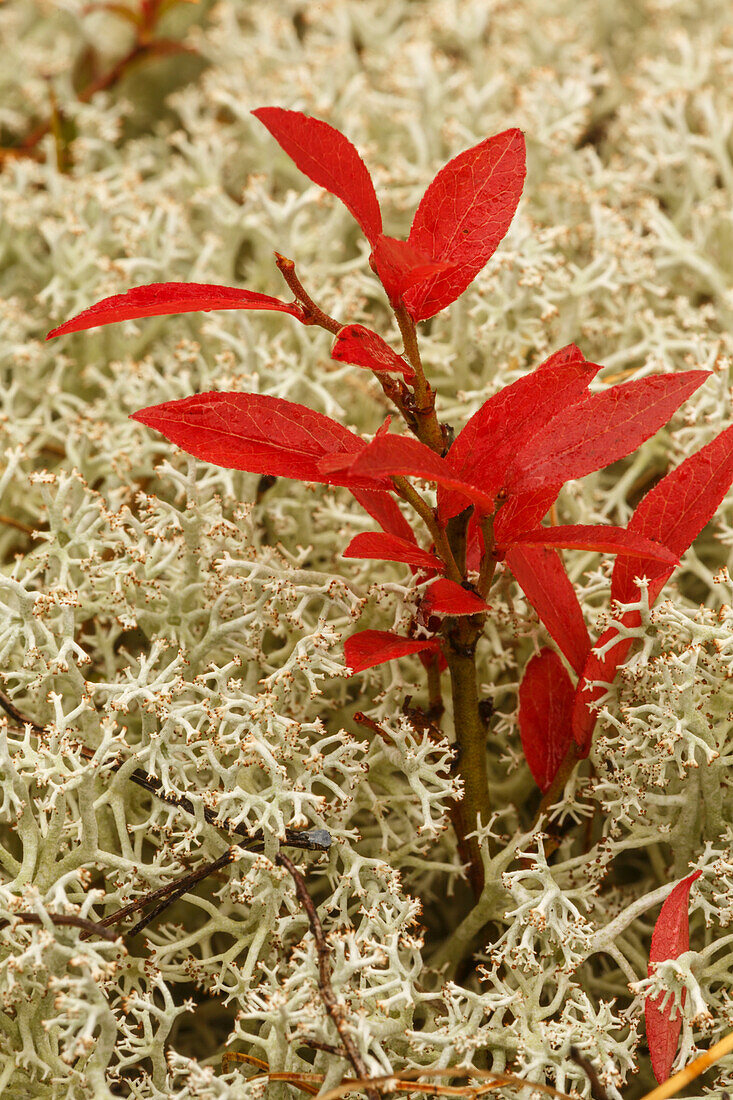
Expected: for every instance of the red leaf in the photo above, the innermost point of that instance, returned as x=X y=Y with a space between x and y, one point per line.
x=328 y=158
x=375 y=544
x=255 y=432
x=399 y=266
x=523 y=511
x=545 y=701
x=601 y=669
x=600 y=429
x=385 y=510
x=159 y=299
x=486 y=447
x=542 y=577
x=444 y=597
x=670 y=939
x=464 y=214
x=607 y=539
x=388 y=455
x=359 y=345
x=374 y=647
x=674 y=513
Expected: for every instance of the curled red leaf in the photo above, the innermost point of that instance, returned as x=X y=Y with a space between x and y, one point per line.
x=545 y=701
x=399 y=266
x=670 y=939
x=359 y=345
x=160 y=299
x=444 y=597
x=392 y=455
x=384 y=547
x=374 y=647
x=329 y=159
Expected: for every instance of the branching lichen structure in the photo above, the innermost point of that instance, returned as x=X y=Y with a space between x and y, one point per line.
x=164 y=617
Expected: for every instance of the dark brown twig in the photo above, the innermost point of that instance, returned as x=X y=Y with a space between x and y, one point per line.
x=90 y=927
x=329 y=1048
x=312 y=840
x=176 y=889
x=330 y=1003
x=597 y=1090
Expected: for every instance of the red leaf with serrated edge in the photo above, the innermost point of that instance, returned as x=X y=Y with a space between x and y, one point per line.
x=606 y=539
x=385 y=510
x=602 y=669
x=374 y=647
x=359 y=345
x=600 y=429
x=161 y=299
x=541 y=576
x=388 y=455
x=329 y=159
x=375 y=544
x=399 y=266
x=674 y=513
x=486 y=447
x=545 y=702
x=257 y=433
x=463 y=215
x=670 y=939
x=444 y=597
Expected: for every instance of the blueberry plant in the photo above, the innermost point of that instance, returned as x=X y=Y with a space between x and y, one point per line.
x=491 y=486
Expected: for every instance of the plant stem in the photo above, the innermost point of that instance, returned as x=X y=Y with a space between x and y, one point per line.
x=470 y=733
x=334 y=1009
x=423 y=509
x=429 y=430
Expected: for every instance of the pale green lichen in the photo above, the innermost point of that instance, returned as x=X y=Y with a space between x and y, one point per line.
x=164 y=620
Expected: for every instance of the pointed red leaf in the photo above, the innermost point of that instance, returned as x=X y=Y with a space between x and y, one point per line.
x=545 y=701
x=670 y=939
x=374 y=647
x=485 y=448
x=600 y=429
x=523 y=511
x=160 y=299
x=329 y=159
x=601 y=669
x=399 y=266
x=389 y=455
x=541 y=576
x=606 y=539
x=464 y=214
x=444 y=597
x=385 y=510
x=359 y=345
x=257 y=433
x=674 y=513
x=375 y=544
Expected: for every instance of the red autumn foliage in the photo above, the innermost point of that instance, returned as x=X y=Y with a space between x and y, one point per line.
x=374 y=647
x=505 y=468
x=159 y=299
x=670 y=939
x=359 y=345
x=545 y=700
